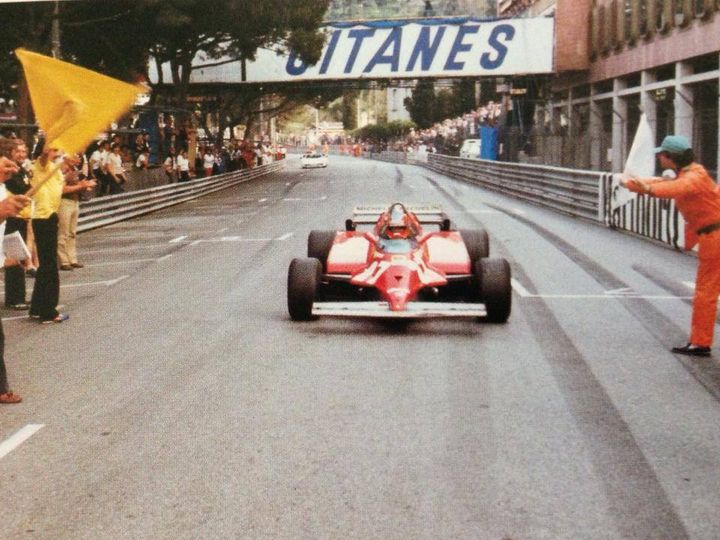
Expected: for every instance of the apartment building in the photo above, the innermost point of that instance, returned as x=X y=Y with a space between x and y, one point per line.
x=660 y=57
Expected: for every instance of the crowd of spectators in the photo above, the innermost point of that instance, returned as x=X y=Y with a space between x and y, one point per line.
x=446 y=137
x=55 y=184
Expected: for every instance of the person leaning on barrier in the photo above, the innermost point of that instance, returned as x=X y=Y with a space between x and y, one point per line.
x=697 y=198
x=116 y=172
x=169 y=165
x=10 y=206
x=183 y=167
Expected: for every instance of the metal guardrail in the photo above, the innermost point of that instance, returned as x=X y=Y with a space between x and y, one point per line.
x=649 y=217
x=388 y=155
x=571 y=191
x=114 y=208
x=579 y=193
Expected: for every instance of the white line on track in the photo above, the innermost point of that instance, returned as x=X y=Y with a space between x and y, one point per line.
x=165 y=257
x=18 y=438
x=518 y=287
x=109 y=283
x=178 y=239
x=689 y=284
x=263 y=199
x=615 y=294
x=323 y=198
x=284 y=236
x=230 y=239
x=123 y=248
x=518 y=211
x=127 y=261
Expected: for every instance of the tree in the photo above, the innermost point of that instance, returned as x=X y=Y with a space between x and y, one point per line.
x=349 y=105
x=422 y=104
x=119 y=38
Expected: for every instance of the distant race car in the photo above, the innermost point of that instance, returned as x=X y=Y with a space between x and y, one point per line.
x=313 y=159
x=399 y=270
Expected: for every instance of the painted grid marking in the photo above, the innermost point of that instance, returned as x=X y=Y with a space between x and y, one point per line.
x=18 y=438
x=613 y=294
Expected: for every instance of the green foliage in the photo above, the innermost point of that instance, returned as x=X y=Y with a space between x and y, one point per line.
x=396 y=129
x=422 y=106
x=349 y=110
x=426 y=106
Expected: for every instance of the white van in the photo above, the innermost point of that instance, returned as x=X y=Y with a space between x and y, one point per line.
x=470 y=149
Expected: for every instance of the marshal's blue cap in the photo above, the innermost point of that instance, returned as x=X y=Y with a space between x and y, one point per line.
x=674 y=144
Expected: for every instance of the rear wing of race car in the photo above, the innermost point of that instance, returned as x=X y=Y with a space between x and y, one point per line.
x=427 y=214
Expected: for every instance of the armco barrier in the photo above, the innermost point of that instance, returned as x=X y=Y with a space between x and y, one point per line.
x=584 y=194
x=657 y=219
x=571 y=191
x=114 y=208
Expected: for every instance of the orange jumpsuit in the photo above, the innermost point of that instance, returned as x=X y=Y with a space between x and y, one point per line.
x=697 y=197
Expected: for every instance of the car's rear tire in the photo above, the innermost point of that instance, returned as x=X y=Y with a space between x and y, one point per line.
x=303 y=282
x=493 y=282
x=477 y=243
x=319 y=244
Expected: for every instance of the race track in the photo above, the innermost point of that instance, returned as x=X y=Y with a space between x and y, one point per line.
x=179 y=401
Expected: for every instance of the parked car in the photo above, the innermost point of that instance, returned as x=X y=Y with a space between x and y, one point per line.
x=470 y=149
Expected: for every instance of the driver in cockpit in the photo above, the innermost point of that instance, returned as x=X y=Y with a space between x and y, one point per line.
x=397 y=224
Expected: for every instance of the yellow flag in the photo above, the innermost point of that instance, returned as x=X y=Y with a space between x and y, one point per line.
x=73 y=104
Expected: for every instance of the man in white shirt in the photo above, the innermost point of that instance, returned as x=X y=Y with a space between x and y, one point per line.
x=183 y=167
x=142 y=160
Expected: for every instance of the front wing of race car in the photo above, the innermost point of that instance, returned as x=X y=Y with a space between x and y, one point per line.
x=414 y=310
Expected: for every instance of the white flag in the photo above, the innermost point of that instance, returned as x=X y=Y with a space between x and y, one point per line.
x=640 y=163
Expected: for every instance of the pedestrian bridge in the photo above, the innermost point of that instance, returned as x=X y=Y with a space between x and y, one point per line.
x=395 y=49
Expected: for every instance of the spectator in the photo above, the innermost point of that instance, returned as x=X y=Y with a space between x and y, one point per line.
x=48 y=181
x=75 y=183
x=170 y=165
x=208 y=161
x=146 y=141
x=183 y=167
x=142 y=160
x=10 y=206
x=115 y=171
x=199 y=159
x=17 y=184
x=138 y=147
x=99 y=167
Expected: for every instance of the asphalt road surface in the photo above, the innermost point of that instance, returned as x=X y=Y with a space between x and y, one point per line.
x=179 y=401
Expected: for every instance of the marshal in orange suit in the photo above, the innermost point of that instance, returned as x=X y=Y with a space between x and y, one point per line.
x=697 y=197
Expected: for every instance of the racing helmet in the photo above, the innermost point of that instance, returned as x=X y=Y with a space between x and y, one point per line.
x=398 y=223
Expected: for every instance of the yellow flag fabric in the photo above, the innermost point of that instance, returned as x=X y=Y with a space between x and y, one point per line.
x=73 y=104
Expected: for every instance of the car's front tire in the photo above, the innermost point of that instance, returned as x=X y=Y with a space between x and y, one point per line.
x=494 y=286
x=302 y=287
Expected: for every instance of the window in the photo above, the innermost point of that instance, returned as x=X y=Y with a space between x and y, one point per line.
x=683 y=12
x=664 y=15
x=704 y=8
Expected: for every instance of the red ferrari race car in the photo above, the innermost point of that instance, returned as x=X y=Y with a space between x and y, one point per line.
x=398 y=269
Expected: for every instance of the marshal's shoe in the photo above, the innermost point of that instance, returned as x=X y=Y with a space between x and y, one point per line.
x=692 y=350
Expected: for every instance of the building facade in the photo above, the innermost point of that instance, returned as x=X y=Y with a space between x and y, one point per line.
x=344 y=10
x=658 y=57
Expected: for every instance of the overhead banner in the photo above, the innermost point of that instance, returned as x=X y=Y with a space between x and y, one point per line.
x=393 y=49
